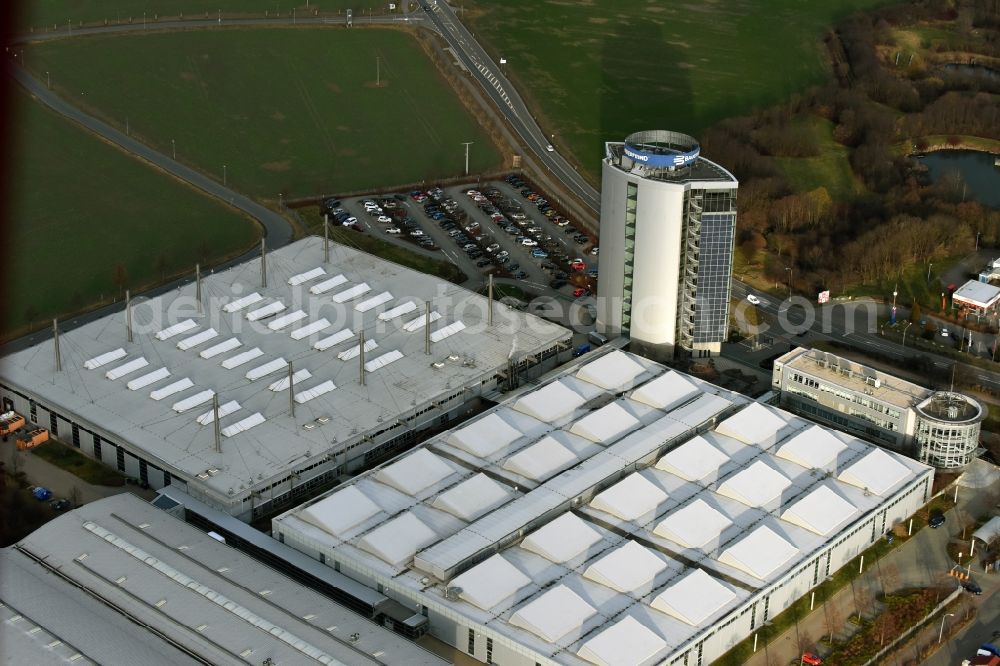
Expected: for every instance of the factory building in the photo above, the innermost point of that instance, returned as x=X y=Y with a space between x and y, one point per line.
x=259 y=386
x=618 y=512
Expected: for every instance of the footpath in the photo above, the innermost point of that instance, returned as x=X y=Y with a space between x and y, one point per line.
x=920 y=562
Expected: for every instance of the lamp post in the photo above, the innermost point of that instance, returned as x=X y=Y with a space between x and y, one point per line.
x=941 y=631
x=908 y=325
x=895 y=292
x=173 y=148
x=929 y=266
x=977 y=240
x=223 y=175
x=789 y=272
x=467 y=144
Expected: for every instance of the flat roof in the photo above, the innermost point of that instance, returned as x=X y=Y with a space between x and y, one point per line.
x=980 y=294
x=221 y=351
x=855 y=377
x=606 y=532
x=132 y=579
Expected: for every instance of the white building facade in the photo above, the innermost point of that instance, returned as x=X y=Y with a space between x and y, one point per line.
x=618 y=513
x=668 y=218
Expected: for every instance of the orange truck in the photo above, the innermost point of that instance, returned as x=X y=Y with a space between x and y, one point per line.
x=9 y=422
x=32 y=438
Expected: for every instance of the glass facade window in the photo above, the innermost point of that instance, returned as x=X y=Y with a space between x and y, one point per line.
x=715 y=264
x=631 y=206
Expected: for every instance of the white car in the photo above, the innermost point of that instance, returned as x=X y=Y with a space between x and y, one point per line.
x=595 y=251
x=416 y=232
x=393 y=230
x=944 y=332
x=493 y=248
x=753 y=300
x=529 y=242
x=550 y=148
x=384 y=219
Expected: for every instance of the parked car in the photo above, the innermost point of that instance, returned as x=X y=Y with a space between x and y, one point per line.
x=483 y=262
x=580 y=292
x=529 y=242
x=539 y=253
x=753 y=300
x=936 y=518
x=520 y=275
x=944 y=332
x=393 y=230
x=550 y=148
x=592 y=272
x=357 y=227
x=580 y=350
x=595 y=251
x=972 y=587
x=578 y=266
x=503 y=254
x=61 y=505
x=417 y=232
x=811 y=658
x=556 y=284
x=41 y=493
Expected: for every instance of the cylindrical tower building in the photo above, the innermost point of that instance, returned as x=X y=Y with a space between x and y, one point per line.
x=668 y=218
x=947 y=429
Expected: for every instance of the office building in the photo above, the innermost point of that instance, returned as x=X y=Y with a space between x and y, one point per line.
x=616 y=513
x=939 y=428
x=668 y=218
x=300 y=401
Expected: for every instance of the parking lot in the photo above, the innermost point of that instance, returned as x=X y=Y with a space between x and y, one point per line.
x=504 y=228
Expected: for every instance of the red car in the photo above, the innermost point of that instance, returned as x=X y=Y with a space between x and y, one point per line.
x=811 y=658
x=578 y=266
x=580 y=291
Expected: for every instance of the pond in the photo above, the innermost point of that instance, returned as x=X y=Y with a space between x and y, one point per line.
x=973 y=70
x=976 y=169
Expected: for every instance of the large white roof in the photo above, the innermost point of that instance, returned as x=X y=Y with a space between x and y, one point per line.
x=541 y=459
x=488 y=583
x=415 y=472
x=340 y=511
x=694 y=598
x=814 y=447
x=396 y=541
x=612 y=371
x=626 y=568
x=606 y=424
x=877 y=472
x=627 y=642
x=756 y=424
x=760 y=553
x=757 y=485
x=821 y=511
x=666 y=391
x=693 y=460
x=485 y=436
x=694 y=525
x=630 y=498
x=473 y=497
x=554 y=614
x=549 y=403
x=563 y=539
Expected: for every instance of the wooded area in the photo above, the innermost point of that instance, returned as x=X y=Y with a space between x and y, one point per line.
x=889 y=88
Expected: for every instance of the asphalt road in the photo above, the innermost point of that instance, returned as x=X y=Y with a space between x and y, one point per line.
x=490 y=76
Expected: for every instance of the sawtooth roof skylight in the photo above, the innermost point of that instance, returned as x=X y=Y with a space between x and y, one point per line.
x=485 y=436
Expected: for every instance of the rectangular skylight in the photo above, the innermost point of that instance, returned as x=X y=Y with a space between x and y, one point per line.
x=170 y=389
x=263 y=370
x=221 y=348
x=126 y=368
x=353 y=292
x=241 y=358
x=224 y=410
x=314 y=392
x=335 y=339
x=309 y=329
x=241 y=303
x=104 y=359
x=305 y=277
x=297 y=376
x=327 y=285
x=373 y=302
x=199 y=398
x=420 y=322
x=176 y=329
x=266 y=311
x=383 y=360
x=197 y=339
x=398 y=311
x=354 y=351
x=447 y=331
x=287 y=320
x=148 y=378
x=243 y=425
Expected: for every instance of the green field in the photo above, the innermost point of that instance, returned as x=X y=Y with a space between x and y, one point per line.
x=830 y=169
x=294 y=111
x=49 y=14
x=601 y=69
x=80 y=209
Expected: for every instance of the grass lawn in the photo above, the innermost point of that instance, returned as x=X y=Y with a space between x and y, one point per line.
x=44 y=14
x=600 y=70
x=830 y=169
x=80 y=209
x=380 y=248
x=287 y=110
x=76 y=463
